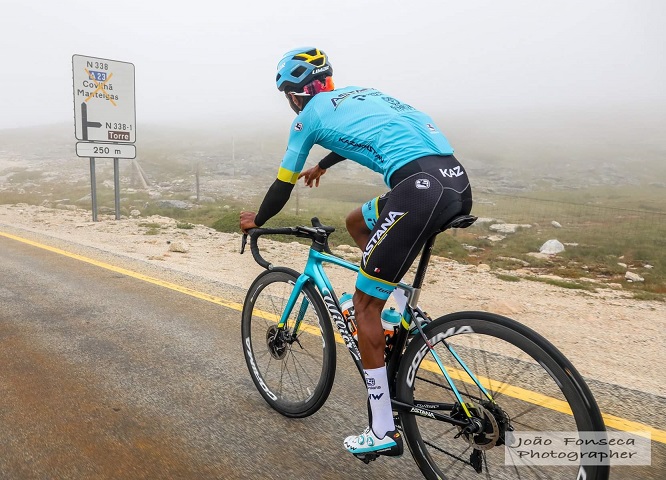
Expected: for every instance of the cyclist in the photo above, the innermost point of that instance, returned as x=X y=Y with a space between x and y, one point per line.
x=428 y=187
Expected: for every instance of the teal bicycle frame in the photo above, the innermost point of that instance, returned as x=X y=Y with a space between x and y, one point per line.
x=314 y=273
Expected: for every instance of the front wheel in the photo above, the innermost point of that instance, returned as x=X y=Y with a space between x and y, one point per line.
x=292 y=367
x=533 y=387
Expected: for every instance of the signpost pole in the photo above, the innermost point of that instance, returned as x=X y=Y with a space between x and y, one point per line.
x=93 y=189
x=116 y=186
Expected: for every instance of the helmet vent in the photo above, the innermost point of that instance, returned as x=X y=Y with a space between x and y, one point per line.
x=298 y=71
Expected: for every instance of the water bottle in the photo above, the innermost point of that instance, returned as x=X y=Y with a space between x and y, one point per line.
x=390 y=321
x=347 y=307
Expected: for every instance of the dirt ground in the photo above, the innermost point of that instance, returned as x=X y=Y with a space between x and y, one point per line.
x=606 y=334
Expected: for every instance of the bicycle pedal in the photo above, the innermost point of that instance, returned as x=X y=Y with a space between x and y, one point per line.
x=366 y=457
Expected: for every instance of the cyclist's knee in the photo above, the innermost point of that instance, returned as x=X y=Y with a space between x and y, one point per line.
x=357 y=228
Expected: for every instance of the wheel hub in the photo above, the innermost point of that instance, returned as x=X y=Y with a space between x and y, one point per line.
x=487 y=432
x=276 y=343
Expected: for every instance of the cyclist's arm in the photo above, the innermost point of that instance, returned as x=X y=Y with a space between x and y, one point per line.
x=329 y=160
x=276 y=198
x=301 y=140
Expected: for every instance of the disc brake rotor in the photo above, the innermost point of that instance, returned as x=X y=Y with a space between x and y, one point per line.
x=277 y=346
x=488 y=436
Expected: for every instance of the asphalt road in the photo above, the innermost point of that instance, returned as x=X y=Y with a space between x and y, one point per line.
x=103 y=375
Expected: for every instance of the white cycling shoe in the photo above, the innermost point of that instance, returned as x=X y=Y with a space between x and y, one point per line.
x=367 y=446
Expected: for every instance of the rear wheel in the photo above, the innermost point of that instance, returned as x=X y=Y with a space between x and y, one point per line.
x=533 y=386
x=293 y=370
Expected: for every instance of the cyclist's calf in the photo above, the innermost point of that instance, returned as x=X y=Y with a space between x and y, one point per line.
x=371 y=340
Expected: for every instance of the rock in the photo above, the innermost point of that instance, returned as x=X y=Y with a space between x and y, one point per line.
x=648 y=266
x=633 y=277
x=482 y=267
x=623 y=265
x=507 y=227
x=496 y=238
x=178 y=246
x=552 y=247
x=135 y=213
x=556 y=224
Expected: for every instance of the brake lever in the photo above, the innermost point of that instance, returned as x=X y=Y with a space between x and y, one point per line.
x=243 y=243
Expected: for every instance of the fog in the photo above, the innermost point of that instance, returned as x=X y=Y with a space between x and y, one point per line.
x=213 y=63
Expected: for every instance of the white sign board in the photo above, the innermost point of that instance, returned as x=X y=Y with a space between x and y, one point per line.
x=104 y=108
x=105 y=150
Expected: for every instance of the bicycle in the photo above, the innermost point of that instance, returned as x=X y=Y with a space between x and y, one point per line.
x=460 y=384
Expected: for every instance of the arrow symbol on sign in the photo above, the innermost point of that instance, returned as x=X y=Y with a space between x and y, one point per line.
x=85 y=123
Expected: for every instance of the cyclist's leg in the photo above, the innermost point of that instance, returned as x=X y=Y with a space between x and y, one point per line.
x=361 y=220
x=386 y=257
x=399 y=222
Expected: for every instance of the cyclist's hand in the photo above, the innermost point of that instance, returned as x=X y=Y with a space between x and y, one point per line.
x=247 y=221
x=311 y=175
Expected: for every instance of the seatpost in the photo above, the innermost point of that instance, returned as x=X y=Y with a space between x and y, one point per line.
x=423 y=262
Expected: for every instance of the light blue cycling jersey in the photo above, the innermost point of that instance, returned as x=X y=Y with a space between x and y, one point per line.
x=363 y=125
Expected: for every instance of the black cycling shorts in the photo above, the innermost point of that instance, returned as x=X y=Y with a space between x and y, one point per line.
x=425 y=194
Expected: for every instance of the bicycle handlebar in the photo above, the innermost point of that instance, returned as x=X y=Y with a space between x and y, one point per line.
x=318 y=233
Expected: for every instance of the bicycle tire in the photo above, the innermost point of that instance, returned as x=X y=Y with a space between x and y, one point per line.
x=295 y=378
x=513 y=360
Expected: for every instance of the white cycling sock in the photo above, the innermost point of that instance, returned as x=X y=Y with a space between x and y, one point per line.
x=380 y=401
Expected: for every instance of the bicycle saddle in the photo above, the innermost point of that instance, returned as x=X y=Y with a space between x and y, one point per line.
x=459 y=221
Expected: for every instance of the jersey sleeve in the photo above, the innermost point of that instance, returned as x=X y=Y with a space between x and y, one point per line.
x=301 y=139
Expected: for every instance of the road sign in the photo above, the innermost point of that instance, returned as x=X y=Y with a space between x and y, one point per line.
x=104 y=109
x=105 y=150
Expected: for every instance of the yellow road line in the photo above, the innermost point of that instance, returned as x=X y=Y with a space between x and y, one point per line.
x=130 y=273
x=535 y=398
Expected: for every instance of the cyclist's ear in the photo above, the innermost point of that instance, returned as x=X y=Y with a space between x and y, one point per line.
x=295 y=102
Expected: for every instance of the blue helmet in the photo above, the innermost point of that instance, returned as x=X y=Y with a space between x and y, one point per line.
x=301 y=66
